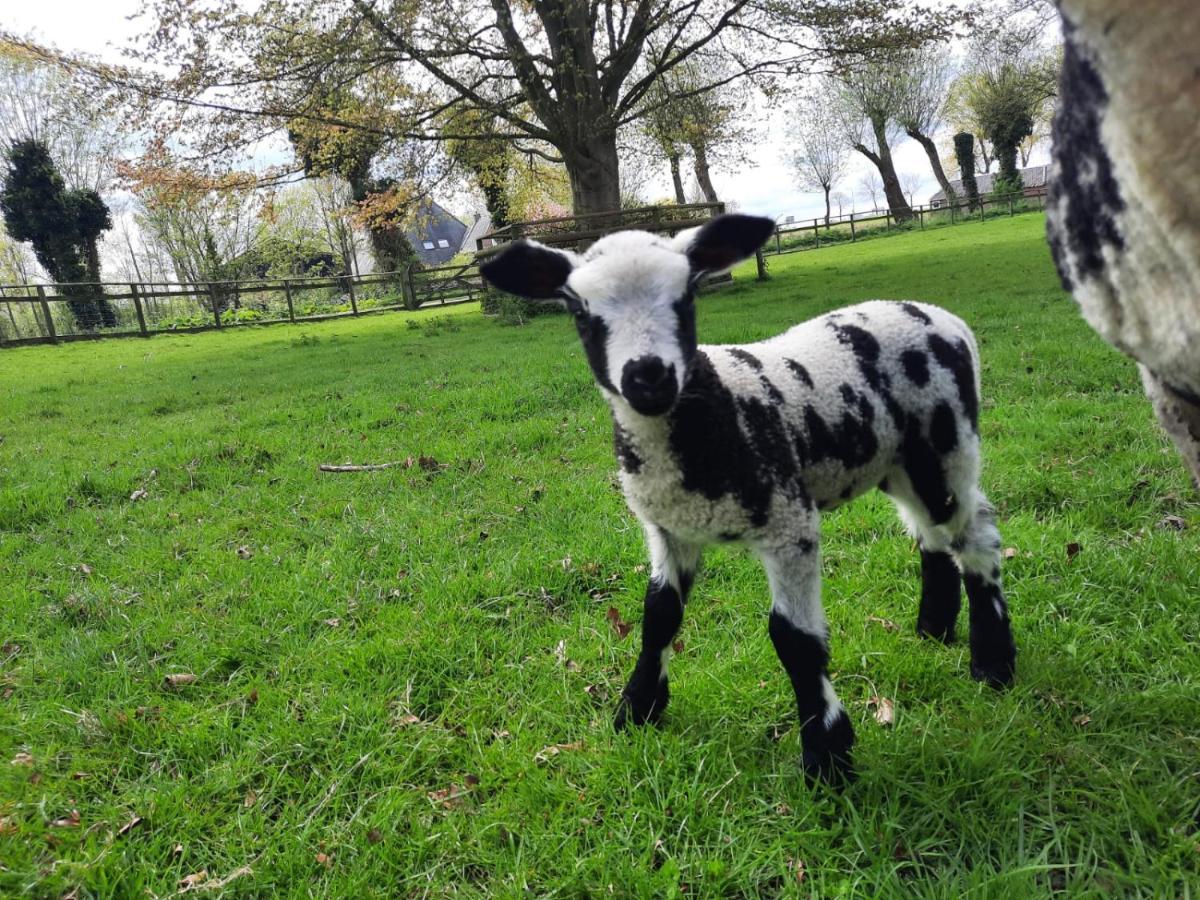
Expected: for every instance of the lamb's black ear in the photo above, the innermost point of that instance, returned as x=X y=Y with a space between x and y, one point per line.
x=529 y=269
x=724 y=241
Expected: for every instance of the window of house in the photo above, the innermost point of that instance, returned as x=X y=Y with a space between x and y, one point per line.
x=443 y=243
x=428 y=245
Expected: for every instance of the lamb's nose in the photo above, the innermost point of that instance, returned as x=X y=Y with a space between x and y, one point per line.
x=649 y=385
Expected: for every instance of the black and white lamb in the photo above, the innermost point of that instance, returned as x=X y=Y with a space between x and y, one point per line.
x=1124 y=209
x=750 y=443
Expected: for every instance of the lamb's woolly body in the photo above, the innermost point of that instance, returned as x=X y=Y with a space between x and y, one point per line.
x=752 y=442
x=1121 y=215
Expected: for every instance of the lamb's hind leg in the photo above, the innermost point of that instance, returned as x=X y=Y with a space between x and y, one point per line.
x=673 y=568
x=977 y=551
x=800 y=635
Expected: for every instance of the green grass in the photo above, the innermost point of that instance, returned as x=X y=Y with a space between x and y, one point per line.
x=362 y=641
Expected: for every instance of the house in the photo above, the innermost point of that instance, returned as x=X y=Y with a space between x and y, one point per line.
x=1036 y=179
x=481 y=226
x=436 y=235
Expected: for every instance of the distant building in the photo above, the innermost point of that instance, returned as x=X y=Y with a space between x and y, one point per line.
x=477 y=229
x=1036 y=179
x=436 y=235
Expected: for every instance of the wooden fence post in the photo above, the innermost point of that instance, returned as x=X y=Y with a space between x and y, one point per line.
x=921 y=217
x=350 y=290
x=137 y=307
x=46 y=312
x=853 y=236
x=1010 y=205
x=982 y=203
x=778 y=248
x=761 y=261
x=287 y=292
x=212 y=299
x=952 y=207
x=816 y=234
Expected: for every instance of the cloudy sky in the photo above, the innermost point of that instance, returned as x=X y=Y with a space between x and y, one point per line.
x=763 y=184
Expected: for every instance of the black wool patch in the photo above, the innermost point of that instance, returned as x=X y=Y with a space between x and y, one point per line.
x=593 y=332
x=800 y=372
x=943 y=428
x=917 y=313
x=627 y=456
x=956 y=359
x=923 y=465
x=1086 y=188
x=746 y=357
x=685 y=326
x=916 y=366
x=767 y=435
x=714 y=455
x=772 y=392
x=850 y=441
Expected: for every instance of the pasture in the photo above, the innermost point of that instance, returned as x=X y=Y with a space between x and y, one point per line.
x=404 y=679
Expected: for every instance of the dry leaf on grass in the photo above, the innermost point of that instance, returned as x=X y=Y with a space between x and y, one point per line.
x=333 y=623
x=453 y=796
x=70 y=820
x=22 y=759
x=244 y=552
x=137 y=495
x=85 y=569
x=1175 y=522
x=374 y=836
x=885 y=624
x=799 y=868
x=189 y=882
x=884 y=709
x=179 y=679
x=7 y=825
x=1082 y=719
x=408 y=719
x=620 y=627
x=323 y=859
x=250 y=799
x=548 y=753
x=1010 y=552
x=129 y=826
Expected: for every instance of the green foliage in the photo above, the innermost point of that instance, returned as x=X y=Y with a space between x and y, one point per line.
x=63 y=227
x=363 y=642
x=1004 y=186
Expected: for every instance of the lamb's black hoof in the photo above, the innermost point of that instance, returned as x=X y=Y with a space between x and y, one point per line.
x=998 y=674
x=642 y=707
x=936 y=631
x=834 y=770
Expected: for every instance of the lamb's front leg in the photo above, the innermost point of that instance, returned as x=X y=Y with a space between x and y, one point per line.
x=800 y=635
x=673 y=568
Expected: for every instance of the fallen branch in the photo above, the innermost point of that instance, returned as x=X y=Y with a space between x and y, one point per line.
x=326 y=467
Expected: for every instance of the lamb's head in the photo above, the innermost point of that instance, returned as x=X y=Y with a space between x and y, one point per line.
x=632 y=296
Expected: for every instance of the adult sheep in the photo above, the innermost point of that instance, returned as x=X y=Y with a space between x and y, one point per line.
x=1123 y=215
x=750 y=443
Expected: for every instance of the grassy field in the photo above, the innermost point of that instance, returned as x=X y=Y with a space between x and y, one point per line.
x=403 y=680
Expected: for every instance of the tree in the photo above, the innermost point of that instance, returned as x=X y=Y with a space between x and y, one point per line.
x=820 y=155
x=870 y=96
x=910 y=182
x=926 y=83
x=663 y=127
x=62 y=226
x=871 y=185
x=964 y=152
x=568 y=74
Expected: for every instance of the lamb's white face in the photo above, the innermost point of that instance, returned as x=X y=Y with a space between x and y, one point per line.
x=632 y=298
x=631 y=295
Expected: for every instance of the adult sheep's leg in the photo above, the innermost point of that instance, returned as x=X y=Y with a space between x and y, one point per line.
x=673 y=568
x=801 y=638
x=1179 y=414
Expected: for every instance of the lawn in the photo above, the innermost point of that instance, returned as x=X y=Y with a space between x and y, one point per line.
x=400 y=682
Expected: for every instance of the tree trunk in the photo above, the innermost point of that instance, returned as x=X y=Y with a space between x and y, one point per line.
x=108 y=317
x=827 y=187
x=702 y=176
x=595 y=174
x=964 y=152
x=934 y=162
x=901 y=211
x=673 y=159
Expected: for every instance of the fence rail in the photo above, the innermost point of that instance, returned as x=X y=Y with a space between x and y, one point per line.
x=809 y=234
x=52 y=313
x=585 y=228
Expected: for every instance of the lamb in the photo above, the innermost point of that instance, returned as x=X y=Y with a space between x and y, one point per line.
x=751 y=443
x=1121 y=215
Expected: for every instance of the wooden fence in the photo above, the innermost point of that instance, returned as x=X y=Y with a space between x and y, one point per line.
x=40 y=313
x=810 y=234
x=577 y=231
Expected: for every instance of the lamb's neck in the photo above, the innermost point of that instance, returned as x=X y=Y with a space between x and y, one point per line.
x=648 y=436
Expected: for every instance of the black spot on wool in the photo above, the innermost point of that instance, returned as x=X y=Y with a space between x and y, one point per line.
x=685 y=326
x=850 y=441
x=771 y=391
x=917 y=313
x=923 y=465
x=1085 y=189
x=627 y=457
x=593 y=333
x=800 y=372
x=943 y=428
x=956 y=359
x=715 y=456
x=916 y=367
x=746 y=357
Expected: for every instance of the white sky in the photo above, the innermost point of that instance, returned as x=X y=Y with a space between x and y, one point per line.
x=762 y=185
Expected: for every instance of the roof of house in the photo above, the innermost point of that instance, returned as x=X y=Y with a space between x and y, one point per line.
x=477 y=229
x=1033 y=176
x=436 y=235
